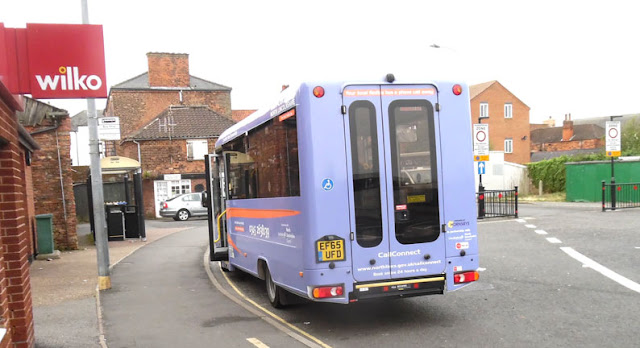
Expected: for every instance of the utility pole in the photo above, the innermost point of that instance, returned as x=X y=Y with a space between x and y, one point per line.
x=613 y=177
x=102 y=245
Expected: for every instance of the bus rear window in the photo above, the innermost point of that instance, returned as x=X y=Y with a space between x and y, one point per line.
x=366 y=173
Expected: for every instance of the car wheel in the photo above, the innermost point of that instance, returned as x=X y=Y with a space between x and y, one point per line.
x=183 y=215
x=274 y=292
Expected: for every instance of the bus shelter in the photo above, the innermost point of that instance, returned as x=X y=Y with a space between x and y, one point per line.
x=124 y=215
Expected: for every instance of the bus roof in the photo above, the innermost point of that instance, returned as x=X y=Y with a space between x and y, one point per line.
x=286 y=101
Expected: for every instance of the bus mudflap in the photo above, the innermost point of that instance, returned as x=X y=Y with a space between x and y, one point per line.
x=399 y=287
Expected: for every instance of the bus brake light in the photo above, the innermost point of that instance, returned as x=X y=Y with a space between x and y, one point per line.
x=465 y=277
x=457 y=89
x=328 y=291
x=318 y=92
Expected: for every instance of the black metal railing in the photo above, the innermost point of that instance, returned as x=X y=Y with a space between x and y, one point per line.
x=620 y=195
x=497 y=203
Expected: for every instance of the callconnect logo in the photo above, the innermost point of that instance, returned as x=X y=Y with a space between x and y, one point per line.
x=69 y=79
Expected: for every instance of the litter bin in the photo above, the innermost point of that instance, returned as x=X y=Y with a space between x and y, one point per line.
x=131 y=222
x=115 y=222
x=44 y=228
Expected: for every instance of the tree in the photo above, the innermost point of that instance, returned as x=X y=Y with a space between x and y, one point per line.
x=631 y=138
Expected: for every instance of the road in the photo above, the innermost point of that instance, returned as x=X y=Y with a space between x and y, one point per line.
x=533 y=293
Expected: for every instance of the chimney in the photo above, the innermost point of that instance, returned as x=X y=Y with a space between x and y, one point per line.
x=168 y=69
x=567 y=128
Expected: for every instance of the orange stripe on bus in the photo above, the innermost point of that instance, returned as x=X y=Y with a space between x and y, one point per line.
x=235 y=246
x=260 y=213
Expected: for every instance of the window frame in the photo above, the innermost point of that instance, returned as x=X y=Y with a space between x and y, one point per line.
x=484 y=106
x=508 y=110
x=191 y=153
x=510 y=142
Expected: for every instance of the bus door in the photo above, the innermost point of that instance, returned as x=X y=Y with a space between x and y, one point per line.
x=215 y=168
x=394 y=196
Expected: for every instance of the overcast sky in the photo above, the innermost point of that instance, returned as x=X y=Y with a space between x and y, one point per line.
x=558 y=57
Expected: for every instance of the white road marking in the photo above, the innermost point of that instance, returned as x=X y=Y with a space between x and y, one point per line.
x=587 y=262
x=530 y=226
x=480 y=269
x=521 y=220
x=554 y=240
x=541 y=232
x=637 y=247
x=529 y=218
x=256 y=342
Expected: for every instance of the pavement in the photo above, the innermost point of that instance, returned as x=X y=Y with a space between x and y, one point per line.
x=64 y=290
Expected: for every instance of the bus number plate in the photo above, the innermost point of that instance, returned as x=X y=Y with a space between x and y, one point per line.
x=330 y=250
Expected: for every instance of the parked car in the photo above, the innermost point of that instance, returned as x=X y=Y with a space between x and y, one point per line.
x=184 y=206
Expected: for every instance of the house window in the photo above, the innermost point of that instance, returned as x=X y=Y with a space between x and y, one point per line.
x=508 y=110
x=484 y=110
x=196 y=149
x=508 y=145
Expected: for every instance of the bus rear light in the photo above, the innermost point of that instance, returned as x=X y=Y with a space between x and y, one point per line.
x=465 y=277
x=165 y=205
x=457 y=89
x=318 y=92
x=328 y=291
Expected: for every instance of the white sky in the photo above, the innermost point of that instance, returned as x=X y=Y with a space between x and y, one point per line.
x=578 y=57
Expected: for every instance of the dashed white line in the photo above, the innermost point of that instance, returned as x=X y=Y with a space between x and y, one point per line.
x=554 y=240
x=587 y=262
x=521 y=220
x=530 y=226
x=541 y=232
x=256 y=342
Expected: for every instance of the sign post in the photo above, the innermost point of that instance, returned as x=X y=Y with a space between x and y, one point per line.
x=613 y=149
x=480 y=155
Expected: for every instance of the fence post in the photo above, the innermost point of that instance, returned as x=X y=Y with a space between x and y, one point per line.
x=516 y=196
x=481 y=202
x=613 y=193
x=603 y=195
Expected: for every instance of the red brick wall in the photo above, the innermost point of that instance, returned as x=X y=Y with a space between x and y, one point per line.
x=46 y=181
x=500 y=127
x=137 y=108
x=15 y=289
x=168 y=69
x=569 y=145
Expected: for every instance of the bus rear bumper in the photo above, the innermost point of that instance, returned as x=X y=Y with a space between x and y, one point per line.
x=407 y=287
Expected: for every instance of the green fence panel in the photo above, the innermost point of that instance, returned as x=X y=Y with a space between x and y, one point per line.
x=584 y=179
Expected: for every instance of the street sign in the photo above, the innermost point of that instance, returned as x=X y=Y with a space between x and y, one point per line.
x=109 y=128
x=480 y=142
x=613 y=147
x=481 y=168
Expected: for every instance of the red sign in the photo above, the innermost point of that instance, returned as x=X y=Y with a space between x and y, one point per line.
x=52 y=61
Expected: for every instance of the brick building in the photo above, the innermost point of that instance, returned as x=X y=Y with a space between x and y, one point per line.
x=168 y=120
x=570 y=139
x=16 y=225
x=171 y=149
x=508 y=119
x=52 y=175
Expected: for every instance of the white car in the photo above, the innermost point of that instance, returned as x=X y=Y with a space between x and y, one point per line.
x=184 y=206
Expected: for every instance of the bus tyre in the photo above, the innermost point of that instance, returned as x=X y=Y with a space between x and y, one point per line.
x=183 y=215
x=274 y=292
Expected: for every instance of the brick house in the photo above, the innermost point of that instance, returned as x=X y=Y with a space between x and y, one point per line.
x=570 y=139
x=168 y=118
x=16 y=225
x=51 y=168
x=171 y=149
x=508 y=119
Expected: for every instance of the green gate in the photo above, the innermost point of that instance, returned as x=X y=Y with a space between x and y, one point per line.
x=584 y=179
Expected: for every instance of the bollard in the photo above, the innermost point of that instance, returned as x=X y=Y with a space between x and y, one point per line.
x=540 y=188
x=516 y=201
x=603 y=195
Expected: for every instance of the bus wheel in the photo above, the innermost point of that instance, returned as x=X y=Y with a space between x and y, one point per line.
x=274 y=292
